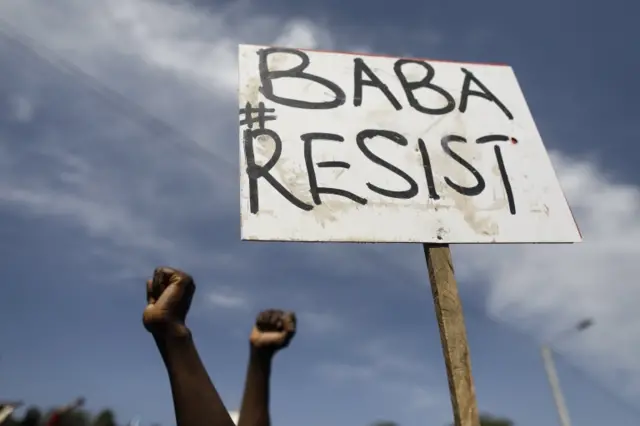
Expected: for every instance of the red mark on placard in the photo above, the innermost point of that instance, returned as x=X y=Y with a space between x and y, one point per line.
x=514 y=140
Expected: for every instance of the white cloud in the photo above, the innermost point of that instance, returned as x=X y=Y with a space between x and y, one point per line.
x=320 y=322
x=346 y=372
x=384 y=355
x=545 y=290
x=22 y=108
x=179 y=64
x=149 y=60
x=382 y=366
x=412 y=394
x=303 y=34
x=548 y=289
x=224 y=299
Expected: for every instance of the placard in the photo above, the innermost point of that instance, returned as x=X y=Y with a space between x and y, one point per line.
x=358 y=148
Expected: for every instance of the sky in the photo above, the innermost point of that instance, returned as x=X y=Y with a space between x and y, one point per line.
x=119 y=153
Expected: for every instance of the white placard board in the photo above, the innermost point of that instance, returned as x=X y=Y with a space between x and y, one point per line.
x=358 y=148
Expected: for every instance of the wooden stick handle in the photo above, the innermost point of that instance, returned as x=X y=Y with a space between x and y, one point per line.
x=452 y=334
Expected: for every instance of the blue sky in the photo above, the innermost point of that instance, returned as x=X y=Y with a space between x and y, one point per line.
x=118 y=152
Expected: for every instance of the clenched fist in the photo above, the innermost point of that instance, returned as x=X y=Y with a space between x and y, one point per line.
x=169 y=296
x=273 y=331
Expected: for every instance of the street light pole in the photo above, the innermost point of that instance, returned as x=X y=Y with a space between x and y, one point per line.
x=552 y=374
x=554 y=382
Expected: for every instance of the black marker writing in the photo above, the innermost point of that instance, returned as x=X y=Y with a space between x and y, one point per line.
x=400 y=140
x=338 y=164
x=428 y=171
x=485 y=93
x=470 y=191
x=443 y=101
x=492 y=138
x=359 y=68
x=267 y=76
x=426 y=83
x=255 y=171
x=501 y=166
x=362 y=70
x=247 y=118
x=505 y=179
x=316 y=190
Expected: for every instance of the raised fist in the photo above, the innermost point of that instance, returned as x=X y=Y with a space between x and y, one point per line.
x=169 y=296
x=273 y=330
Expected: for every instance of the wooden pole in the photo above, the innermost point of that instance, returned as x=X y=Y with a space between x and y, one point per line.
x=452 y=334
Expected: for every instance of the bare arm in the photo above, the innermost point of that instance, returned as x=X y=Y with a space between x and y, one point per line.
x=195 y=398
x=254 y=410
x=273 y=331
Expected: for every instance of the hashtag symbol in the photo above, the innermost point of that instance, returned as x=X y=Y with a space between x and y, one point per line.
x=248 y=115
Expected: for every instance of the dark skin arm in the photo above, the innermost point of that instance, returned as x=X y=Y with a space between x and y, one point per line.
x=273 y=331
x=196 y=400
x=255 y=401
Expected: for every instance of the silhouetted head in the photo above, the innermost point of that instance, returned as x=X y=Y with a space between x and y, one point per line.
x=31 y=418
